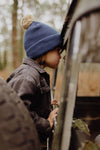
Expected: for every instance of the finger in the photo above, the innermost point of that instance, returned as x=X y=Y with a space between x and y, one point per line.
x=54 y=101
x=55 y=115
x=55 y=110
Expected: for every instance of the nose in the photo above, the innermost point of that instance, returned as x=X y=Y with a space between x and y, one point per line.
x=59 y=55
x=64 y=58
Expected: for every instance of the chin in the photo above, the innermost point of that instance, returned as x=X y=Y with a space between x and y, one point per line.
x=54 y=67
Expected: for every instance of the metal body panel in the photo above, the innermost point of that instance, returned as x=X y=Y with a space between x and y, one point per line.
x=77 y=37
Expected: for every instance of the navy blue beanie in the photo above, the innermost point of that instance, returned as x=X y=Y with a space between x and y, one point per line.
x=39 y=39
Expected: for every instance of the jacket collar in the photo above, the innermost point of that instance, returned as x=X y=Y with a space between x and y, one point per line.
x=33 y=64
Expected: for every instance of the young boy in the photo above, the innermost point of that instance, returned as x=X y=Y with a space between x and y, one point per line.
x=30 y=81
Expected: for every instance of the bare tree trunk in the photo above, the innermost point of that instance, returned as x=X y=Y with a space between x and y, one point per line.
x=5 y=59
x=21 y=49
x=21 y=33
x=0 y=62
x=14 y=34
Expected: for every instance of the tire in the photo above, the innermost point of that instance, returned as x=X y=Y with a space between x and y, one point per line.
x=17 y=130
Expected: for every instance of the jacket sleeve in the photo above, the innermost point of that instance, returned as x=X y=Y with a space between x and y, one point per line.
x=26 y=90
x=42 y=125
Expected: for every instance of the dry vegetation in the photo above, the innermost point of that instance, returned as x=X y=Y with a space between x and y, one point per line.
x=88 y=83
x=4 y=74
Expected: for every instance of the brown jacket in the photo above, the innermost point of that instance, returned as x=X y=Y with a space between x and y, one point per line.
x=31 y=83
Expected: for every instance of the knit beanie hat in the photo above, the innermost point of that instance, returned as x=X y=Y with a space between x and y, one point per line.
x=39 y=38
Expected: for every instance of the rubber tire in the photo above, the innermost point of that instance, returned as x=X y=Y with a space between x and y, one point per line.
x=17 y=130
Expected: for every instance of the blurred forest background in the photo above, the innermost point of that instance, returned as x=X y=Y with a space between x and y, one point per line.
x=52 y=12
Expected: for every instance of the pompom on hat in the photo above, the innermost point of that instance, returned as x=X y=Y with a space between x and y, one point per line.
x=39 y=38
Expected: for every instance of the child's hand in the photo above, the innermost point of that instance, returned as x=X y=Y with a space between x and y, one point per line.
x=54 y=102
x=52 y=115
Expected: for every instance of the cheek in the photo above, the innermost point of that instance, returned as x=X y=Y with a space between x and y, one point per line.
x=54 y=59
x=53 y=62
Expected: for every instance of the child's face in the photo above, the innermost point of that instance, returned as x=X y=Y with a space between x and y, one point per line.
x=52 y=58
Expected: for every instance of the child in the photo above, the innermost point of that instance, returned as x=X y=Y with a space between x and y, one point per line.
x=30 y=81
